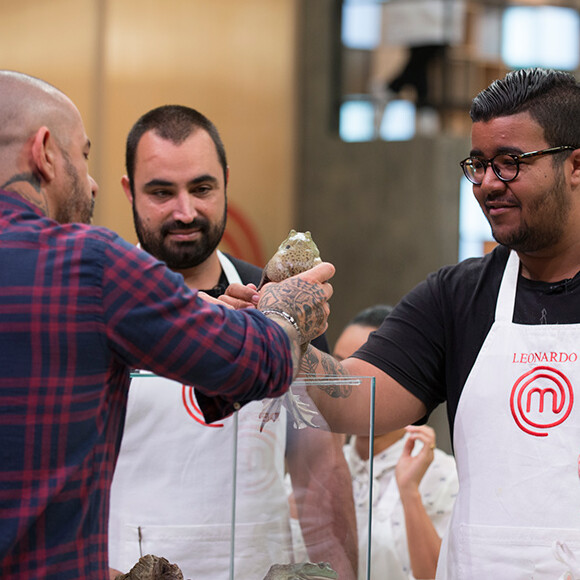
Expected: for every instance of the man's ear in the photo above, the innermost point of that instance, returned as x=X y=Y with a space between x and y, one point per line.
x=227 y=175
x=44 y=151
x=127 y=188
x=575 y=158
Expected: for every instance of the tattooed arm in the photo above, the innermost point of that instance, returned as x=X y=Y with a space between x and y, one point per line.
x=300 y=305
x=346 y=407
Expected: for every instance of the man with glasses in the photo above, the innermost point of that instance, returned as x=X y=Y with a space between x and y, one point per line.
x=498 y=338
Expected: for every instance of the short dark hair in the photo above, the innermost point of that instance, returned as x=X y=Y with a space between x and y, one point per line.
x=174 y=123
x=551 y=97
x=372 y=316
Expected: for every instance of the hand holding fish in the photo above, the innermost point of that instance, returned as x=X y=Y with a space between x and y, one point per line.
x=302 y=290
x=294 y=268
x=303 y=298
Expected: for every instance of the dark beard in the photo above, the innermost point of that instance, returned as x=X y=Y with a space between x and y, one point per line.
x=80 y=206
x=556 y=209
x=182 y=255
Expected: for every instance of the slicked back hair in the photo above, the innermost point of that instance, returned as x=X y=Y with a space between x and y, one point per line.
x=551 y=97
x=174 y=123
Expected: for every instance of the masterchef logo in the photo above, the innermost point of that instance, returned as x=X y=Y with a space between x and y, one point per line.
x=192 y=408
x=541 y=399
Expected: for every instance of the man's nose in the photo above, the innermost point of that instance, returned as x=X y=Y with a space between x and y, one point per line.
x=184 y=210
x=94 y=186
x=491 y=181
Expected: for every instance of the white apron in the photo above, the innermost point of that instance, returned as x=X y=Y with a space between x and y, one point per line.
x=517 y=445
x=181 y=508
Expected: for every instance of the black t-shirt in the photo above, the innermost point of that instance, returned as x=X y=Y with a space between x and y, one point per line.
x=431 y=340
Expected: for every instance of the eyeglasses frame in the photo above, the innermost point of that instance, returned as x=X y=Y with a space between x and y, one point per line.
x=516 y=158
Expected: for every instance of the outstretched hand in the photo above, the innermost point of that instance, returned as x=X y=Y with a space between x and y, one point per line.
x=211 y=300
x=240 y=296
x=304 y=297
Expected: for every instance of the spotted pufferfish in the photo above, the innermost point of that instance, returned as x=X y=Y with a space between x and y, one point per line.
x=296 y=254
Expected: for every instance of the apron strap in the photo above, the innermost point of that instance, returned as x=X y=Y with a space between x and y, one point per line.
x=229 y=269
x=506 y=298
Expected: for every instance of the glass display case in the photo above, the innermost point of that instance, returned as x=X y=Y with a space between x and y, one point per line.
x=268 y=488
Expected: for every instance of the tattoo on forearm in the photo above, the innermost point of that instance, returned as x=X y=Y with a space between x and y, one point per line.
x=301 y=300
x=320 y=364
x=310 y=362
x=337 y=391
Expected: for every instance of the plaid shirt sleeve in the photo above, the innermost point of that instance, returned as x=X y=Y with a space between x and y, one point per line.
x=155 y=322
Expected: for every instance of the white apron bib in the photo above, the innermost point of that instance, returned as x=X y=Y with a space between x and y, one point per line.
x=517 y=445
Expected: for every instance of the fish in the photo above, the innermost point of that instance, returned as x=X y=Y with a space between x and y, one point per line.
x=302 y=571
x=152 y=567
x=296 y=254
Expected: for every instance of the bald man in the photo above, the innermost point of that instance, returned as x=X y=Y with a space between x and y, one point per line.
x=79 y=308
x=41 y=123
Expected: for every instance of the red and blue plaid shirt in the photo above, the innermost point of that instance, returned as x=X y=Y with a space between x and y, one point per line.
x=79 y=307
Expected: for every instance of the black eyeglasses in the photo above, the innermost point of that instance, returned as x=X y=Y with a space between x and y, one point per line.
x=505 y=165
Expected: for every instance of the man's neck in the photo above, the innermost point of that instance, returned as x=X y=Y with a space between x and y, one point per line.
x=553 y=266
x=204 y=276
x=561 y=260
x=27 y=186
